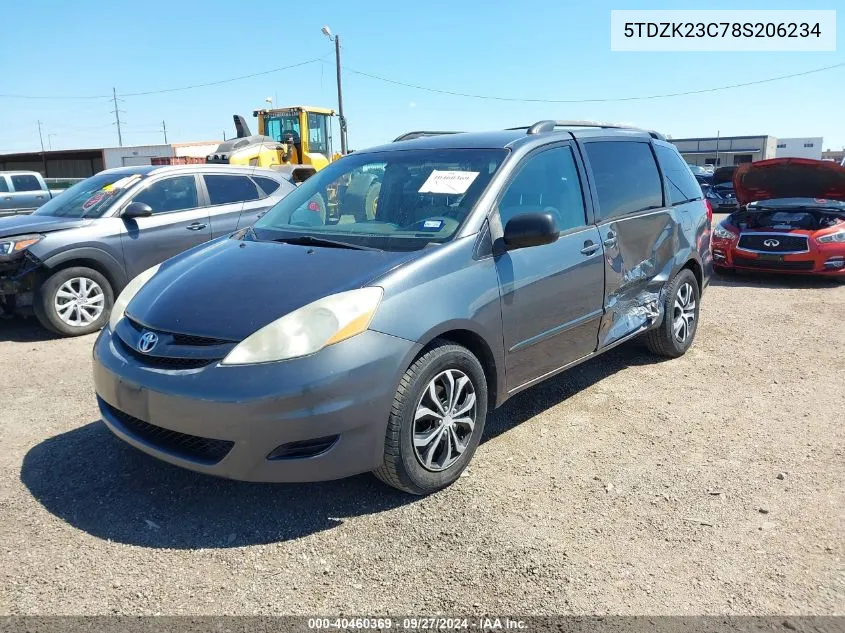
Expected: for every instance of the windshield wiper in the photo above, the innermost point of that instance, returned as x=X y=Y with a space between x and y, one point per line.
x=310 y=240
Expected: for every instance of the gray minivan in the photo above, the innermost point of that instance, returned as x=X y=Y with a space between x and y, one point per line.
x=372 y=318
x=68 y=260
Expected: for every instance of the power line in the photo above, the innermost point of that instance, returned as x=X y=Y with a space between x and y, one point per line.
x=592 y=100
x=165 y=90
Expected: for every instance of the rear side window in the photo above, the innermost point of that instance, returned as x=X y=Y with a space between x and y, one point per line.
x=626 y=177
x=682 y=185
x=268 y=185
x=229 y=189
x=25 y=182
x=3 y=186
x=547 y=181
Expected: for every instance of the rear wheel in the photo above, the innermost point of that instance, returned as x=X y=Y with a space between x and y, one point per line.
x=436 y=421
x=680 y=317
x=74 y=301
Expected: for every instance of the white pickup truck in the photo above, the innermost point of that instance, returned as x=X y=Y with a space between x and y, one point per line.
x=23 y=192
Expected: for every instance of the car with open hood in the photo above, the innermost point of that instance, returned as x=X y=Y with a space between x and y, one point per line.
x=719 y=189
x=67 y=261
x=372 y=318
x=791 y=219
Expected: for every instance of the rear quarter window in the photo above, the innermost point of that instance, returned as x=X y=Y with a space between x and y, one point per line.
x=626 y=177
x=682 y=185
x=268 y=185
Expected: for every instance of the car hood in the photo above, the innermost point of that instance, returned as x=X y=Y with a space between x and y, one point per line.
x=789 y=178
x=231 y=288
x=723 y=175
x=21 y=224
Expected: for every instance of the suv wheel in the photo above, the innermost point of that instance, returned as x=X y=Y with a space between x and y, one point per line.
x=680 y=317
x=436 y=421
x=74 y=301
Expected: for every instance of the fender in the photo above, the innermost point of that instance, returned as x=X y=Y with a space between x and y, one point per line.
x=112 y=268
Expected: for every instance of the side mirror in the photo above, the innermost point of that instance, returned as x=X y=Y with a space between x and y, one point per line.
x=530 y=229
x=137 y=210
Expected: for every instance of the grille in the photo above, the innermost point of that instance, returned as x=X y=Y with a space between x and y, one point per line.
x=304 y=448
x=193 y=447
x=785 y=243
x=772 y=265
x=180 y=339
x=164 y=362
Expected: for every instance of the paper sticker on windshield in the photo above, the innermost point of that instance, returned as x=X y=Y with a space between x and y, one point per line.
x=90 y=202
x=448 y=181
x=123 y=182
x=434 y=225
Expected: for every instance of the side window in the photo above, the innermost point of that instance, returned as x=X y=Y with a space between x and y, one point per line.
x=268 y=185
x=229 y=189
x=3 y=186
x=170 y=194
x=547 y=181
x=626 y=177
x=682 y=185
x=25 y=182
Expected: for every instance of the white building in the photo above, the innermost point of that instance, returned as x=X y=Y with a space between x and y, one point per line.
x=143 y=154
x=804 y=147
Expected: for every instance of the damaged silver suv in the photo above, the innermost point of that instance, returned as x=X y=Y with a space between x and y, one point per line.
x=68 y=260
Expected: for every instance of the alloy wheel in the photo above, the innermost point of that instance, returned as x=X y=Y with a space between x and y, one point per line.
x=79 y=302
x=683 y=314
x=444 y=420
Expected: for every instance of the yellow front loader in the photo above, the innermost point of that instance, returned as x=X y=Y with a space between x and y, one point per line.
x=296 y=140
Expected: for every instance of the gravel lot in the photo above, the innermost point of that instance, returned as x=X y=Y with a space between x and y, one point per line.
x=710 y=484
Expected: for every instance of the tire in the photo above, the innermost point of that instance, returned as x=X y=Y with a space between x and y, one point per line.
x=403 y=466
x=663 y=340
x=79 y=281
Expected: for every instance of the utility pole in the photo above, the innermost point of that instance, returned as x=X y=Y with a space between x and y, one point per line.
x=717 y=149
x=164 y=131
x=117 y=117
x=336 y=39
x=43 y=155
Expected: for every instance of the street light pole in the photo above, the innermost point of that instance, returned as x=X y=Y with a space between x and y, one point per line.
x=336 y=39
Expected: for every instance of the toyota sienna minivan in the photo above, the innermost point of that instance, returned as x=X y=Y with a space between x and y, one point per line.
x=371 y=319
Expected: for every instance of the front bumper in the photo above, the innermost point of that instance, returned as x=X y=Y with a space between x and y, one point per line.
x=827 y=259
x=226 y=421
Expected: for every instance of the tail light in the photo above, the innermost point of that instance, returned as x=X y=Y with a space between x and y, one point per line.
x=709 y=211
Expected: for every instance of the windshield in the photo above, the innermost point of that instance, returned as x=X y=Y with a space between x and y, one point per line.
x=277 y=126
x=90 y=198
x=393 y=200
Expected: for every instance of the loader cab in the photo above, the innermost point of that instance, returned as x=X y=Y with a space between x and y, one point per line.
x=307 y=130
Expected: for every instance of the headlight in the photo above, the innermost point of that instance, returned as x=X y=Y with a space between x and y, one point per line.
x=839 y=236
x=18 y=244
x=723 y=234
x=310 y=328
x=128 y=293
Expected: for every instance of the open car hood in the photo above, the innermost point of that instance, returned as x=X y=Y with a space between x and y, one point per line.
x=721 y=175
x=789 y=178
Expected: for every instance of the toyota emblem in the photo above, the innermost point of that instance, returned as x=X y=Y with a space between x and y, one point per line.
x=148 y=341
x=771 y=243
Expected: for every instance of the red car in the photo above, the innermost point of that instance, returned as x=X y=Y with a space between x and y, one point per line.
x=791 y=219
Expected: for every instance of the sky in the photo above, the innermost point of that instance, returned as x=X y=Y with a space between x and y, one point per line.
x=534 y=49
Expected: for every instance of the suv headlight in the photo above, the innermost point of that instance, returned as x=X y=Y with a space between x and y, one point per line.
x=723 y=234
x=18 y=244
x=131 y=289
x=310 y=328
x=839 y=236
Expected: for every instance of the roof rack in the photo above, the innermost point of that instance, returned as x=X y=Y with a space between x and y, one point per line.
x=411 y=135
x=549 y=126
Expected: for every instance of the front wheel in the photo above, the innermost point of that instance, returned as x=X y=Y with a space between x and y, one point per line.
x=680 y=317
x=74 y=301
x=436 y=421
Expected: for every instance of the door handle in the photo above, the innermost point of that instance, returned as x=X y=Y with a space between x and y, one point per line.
x=610 y=239
x=196 y=226
x=590 y=247
x=39 y=197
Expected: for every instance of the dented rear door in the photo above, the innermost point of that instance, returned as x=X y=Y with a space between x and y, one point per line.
x=638 y=233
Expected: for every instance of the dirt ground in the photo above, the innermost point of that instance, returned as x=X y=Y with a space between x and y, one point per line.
x=714 y=483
